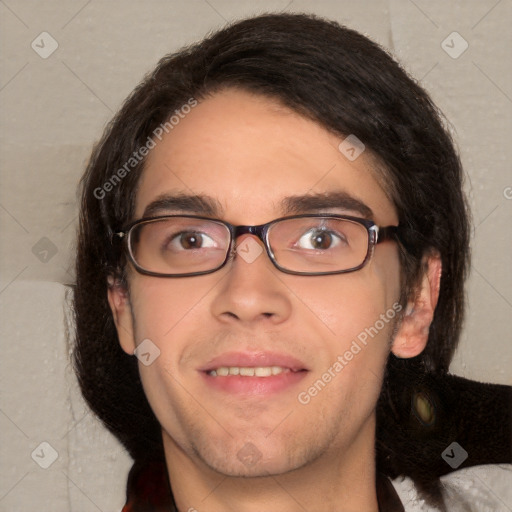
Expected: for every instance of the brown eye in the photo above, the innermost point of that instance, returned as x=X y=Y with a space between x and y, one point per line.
x=321 y=240
x=191 y=240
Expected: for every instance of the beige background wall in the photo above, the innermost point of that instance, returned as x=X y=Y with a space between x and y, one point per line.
x=54 y=108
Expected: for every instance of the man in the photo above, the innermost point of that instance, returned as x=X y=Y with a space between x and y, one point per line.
x=264 y=278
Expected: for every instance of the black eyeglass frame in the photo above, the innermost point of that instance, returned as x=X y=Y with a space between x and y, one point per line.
x=376 y=235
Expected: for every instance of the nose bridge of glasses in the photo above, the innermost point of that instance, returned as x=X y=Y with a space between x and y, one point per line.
x=252 y=230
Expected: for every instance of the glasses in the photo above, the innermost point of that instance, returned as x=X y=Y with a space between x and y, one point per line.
x=310 y=245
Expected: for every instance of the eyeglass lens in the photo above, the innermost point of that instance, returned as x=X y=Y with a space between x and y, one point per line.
x=182 y=245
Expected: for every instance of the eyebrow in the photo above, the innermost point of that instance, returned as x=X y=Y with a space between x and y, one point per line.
x=329 y=200
x=292 y=205
x=199 y=203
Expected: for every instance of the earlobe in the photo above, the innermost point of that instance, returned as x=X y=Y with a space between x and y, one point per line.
x=119 y=301
x=412 y=335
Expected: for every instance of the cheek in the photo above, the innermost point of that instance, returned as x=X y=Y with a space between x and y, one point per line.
x=160 y=305
x=355 y=314
x=385 y=270
x=347 y=304
x=166 y=312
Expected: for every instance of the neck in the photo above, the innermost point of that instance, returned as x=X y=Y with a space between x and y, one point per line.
x=341 y=480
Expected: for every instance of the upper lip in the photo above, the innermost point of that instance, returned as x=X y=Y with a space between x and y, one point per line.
x=254 y=359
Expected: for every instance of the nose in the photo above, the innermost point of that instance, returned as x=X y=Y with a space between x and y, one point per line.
x=251 y=291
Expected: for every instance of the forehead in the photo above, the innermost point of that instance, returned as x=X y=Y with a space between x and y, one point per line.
x=249 y=154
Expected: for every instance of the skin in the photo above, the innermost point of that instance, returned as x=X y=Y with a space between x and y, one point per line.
x=248 y=153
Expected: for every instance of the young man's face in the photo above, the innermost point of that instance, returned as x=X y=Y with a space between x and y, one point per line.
x=249 y=155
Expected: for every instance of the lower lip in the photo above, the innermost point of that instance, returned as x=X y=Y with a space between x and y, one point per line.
x=254 y=385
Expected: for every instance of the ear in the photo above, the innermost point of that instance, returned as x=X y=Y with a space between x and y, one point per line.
x=119 y=301
x=412 y=335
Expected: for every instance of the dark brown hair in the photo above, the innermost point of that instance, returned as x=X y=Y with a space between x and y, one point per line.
x=349 y=85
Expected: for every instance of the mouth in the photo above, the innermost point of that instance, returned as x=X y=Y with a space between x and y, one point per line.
x=249 y=371
x=260 y=373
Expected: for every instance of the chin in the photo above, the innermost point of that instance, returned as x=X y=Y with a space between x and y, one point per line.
x=233 y=468
x=252 y=461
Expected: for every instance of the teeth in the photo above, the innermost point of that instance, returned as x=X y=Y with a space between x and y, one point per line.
x=244 y=371
x=263 y=372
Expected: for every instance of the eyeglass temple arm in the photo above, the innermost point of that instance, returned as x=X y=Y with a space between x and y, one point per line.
x=388 y=233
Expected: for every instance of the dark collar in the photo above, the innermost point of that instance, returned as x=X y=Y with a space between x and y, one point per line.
x=148 y=490
x=387 y=497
